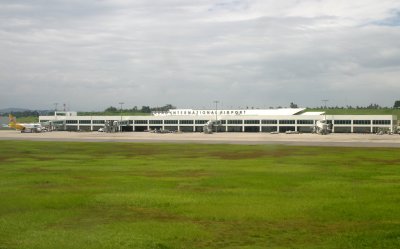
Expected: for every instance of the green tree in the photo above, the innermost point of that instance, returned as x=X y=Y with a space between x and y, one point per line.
x=146 y=109
x=111 y=109
x=396 y=104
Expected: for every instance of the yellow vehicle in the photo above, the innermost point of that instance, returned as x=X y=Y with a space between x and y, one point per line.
x=32 y=128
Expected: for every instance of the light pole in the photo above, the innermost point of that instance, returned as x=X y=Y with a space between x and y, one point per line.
x=216 y=115
x=325 y=100
x=55 y=108
x=120 y=111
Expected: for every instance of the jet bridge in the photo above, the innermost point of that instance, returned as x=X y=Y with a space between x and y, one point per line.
x=322 y=127
x=111 y=126
x=211 y=126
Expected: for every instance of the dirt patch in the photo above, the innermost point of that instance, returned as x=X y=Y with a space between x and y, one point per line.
x=36 y=170
x=286 y=233
x=109 y=215
x=155 y=214
x=183 y=173
x=383 y=161
x=44 y=158
x=4 y=159
x=80 y=177
x=238 y=155
x=45 y=185
x=197 y=189
x=193 y=173
x=130 y=150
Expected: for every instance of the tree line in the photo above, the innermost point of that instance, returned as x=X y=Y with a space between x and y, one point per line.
x=148 y=109
x=143 y=109
x=20 y=114
x=370 y=106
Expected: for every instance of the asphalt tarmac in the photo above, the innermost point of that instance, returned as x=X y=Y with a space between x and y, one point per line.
x=344 y=140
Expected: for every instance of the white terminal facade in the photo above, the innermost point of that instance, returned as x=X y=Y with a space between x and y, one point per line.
x=249 y=120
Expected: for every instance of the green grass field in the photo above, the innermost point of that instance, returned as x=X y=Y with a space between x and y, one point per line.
x=128 y=195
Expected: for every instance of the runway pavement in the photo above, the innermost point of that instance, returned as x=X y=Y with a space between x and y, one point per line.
x=347 y=140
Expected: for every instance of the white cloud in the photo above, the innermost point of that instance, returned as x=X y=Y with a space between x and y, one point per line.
x=188 y=53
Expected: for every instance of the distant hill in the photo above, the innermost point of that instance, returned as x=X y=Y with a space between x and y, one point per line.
x=23 y=111
x=13 y=109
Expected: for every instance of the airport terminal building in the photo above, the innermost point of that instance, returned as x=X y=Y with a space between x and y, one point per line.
x=249 y=120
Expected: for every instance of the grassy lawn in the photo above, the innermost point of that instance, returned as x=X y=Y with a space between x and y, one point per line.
x=122 y=195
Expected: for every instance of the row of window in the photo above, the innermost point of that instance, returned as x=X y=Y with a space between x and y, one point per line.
x=235 y=122
x=383 y=122
x=342 y=121
x=364 y=122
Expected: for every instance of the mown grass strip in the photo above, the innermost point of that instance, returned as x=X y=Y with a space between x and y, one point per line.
x=122 y=195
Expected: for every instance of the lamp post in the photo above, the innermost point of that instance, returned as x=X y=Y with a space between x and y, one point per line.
x=55 y=108
x=120 y=111
x=216 y=115
x=325 y=100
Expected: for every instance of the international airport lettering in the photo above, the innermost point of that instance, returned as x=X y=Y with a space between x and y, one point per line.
x=200 y=112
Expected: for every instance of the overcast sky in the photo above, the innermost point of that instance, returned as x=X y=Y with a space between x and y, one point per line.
x=93 y=54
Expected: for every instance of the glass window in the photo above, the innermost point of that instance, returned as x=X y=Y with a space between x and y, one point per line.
x=252 y=121
x=201 y=121
x=186 y=121
x=362 y=122
x=155 y=121
x=84 y=121
x=286 y=121
x=170 y=121
x=305 y=121
x=381 y=122
x=269 y=121
x=140 y=121
x=342 y=121
x=71 y=121
x=235 y=121
x=98 y=121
